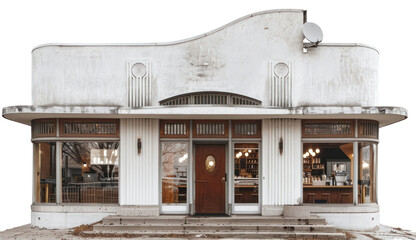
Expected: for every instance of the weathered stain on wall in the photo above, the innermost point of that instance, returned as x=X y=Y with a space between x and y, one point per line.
x=233 y=59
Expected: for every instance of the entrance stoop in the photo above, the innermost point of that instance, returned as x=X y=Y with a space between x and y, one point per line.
x=218 y=227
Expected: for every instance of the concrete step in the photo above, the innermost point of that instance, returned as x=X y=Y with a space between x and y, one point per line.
x=234 y=226
x=210 y=228
x=169 y=220
x=257 y=220
x=237 y=234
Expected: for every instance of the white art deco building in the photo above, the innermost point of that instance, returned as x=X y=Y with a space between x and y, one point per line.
x=245 y=119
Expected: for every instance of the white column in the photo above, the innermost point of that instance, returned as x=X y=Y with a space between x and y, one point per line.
x=139 y=173
x=282 y=172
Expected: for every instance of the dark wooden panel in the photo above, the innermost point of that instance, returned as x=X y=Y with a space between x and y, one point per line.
x=43 y=128
x=248 y=133
x=328 y=128
x=335 y=194
x=181 y=132
x=85 y=127
x=210 y=129
x=209 y=188
x=368 y=129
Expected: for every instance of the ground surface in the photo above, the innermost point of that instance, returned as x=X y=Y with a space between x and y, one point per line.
x=26 y=232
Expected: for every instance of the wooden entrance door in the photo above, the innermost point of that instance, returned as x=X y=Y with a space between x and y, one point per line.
x=209 y=178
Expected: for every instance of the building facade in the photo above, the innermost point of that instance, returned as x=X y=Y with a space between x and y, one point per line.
x=245 y=119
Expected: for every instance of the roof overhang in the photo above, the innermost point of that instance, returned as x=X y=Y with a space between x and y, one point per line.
x=384 y=115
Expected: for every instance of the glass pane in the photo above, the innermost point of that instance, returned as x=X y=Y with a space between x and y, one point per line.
x=210 y=164
x=366 y=183
x=45 y=172
x=174 y=172
x=246 y=173
x=328 y=173
x=90 y=172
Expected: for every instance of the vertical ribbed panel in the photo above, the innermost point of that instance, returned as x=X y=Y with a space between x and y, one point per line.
x=281 y=84
x=139 y=86
x=282 y=172
x=139 y=173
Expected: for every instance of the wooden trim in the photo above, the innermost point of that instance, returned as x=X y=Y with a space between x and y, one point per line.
x=361 y=129
x=92 y=121
x=162 y=129
x=196 y=122
x=235 y=135
x=40 y=121
x=350 y=135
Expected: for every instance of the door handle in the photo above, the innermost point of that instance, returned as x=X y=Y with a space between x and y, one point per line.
x=224 y=179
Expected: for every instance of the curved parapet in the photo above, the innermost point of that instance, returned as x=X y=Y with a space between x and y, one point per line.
x=259 y=56
x=234 y=58
x=338 y=74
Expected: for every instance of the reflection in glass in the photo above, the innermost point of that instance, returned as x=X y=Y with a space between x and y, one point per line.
x=174 y=172
x=90 y=172
x=45 y=170
x=246 y=173
x=366 y=186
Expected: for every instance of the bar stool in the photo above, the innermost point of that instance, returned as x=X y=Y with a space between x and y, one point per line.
x=345 y=197
x=327 y=197
x=238 y=197
x=311 y=196
x=254 y=197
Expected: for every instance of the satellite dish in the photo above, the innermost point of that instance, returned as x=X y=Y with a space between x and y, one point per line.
x=312 y=32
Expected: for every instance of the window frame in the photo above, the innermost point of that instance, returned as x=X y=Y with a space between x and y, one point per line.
x=175 y=208
x=240 y=208
x=356 y=139
x=58 y=138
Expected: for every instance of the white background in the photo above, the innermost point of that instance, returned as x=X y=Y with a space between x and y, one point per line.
x=390 y=27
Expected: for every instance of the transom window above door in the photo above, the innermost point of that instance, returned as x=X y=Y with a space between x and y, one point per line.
x=210 y=128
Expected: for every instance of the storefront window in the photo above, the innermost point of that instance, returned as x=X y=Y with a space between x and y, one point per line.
x=327 y=172
x=366 y=169
x=246 y=173
x=90 y=172
x=174 y=172
x=45 y=170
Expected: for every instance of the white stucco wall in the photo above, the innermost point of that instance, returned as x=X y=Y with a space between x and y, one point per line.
x=337 y=76
x=236 y=58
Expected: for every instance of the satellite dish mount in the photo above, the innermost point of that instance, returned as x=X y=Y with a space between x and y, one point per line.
x=313 y=33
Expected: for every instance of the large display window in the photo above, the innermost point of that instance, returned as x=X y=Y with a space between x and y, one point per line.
x=246 y=173
x=328 y=172
x=76 y=160
x=174 y=172
x=90 y=172
x=366 y=173
x=340 y=161
x=45 y=174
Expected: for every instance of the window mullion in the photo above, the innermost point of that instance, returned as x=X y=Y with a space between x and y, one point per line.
x=355 y=180
x=58 y=172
